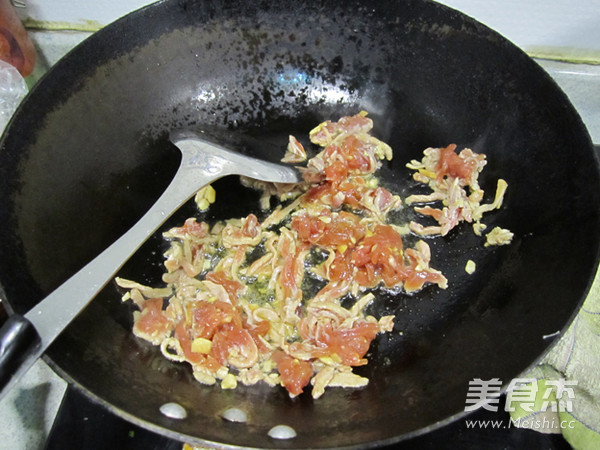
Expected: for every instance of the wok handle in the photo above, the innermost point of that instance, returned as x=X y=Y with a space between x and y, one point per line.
x=20 y=346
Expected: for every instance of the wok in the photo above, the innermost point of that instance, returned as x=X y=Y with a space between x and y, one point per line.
x=87 y=153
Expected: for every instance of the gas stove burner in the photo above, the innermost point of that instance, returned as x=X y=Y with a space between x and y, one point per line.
x=86 y=425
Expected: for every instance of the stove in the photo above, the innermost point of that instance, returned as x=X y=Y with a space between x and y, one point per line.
x=82 y=423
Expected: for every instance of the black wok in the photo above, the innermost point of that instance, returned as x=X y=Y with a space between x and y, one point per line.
x=87 y=153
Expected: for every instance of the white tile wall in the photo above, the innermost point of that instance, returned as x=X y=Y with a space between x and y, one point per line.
x=559 y=29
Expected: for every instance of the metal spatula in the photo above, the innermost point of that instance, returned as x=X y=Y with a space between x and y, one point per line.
x=23 y=339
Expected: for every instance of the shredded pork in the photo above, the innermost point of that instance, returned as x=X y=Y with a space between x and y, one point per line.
x=284 y=300
x=454 y=182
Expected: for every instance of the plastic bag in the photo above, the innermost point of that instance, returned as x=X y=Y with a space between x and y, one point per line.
x=12 y=91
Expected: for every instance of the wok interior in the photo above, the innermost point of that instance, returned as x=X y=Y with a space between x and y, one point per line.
x=88 y=153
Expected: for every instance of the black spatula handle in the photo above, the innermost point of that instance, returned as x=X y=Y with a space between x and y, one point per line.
x=19 y=348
